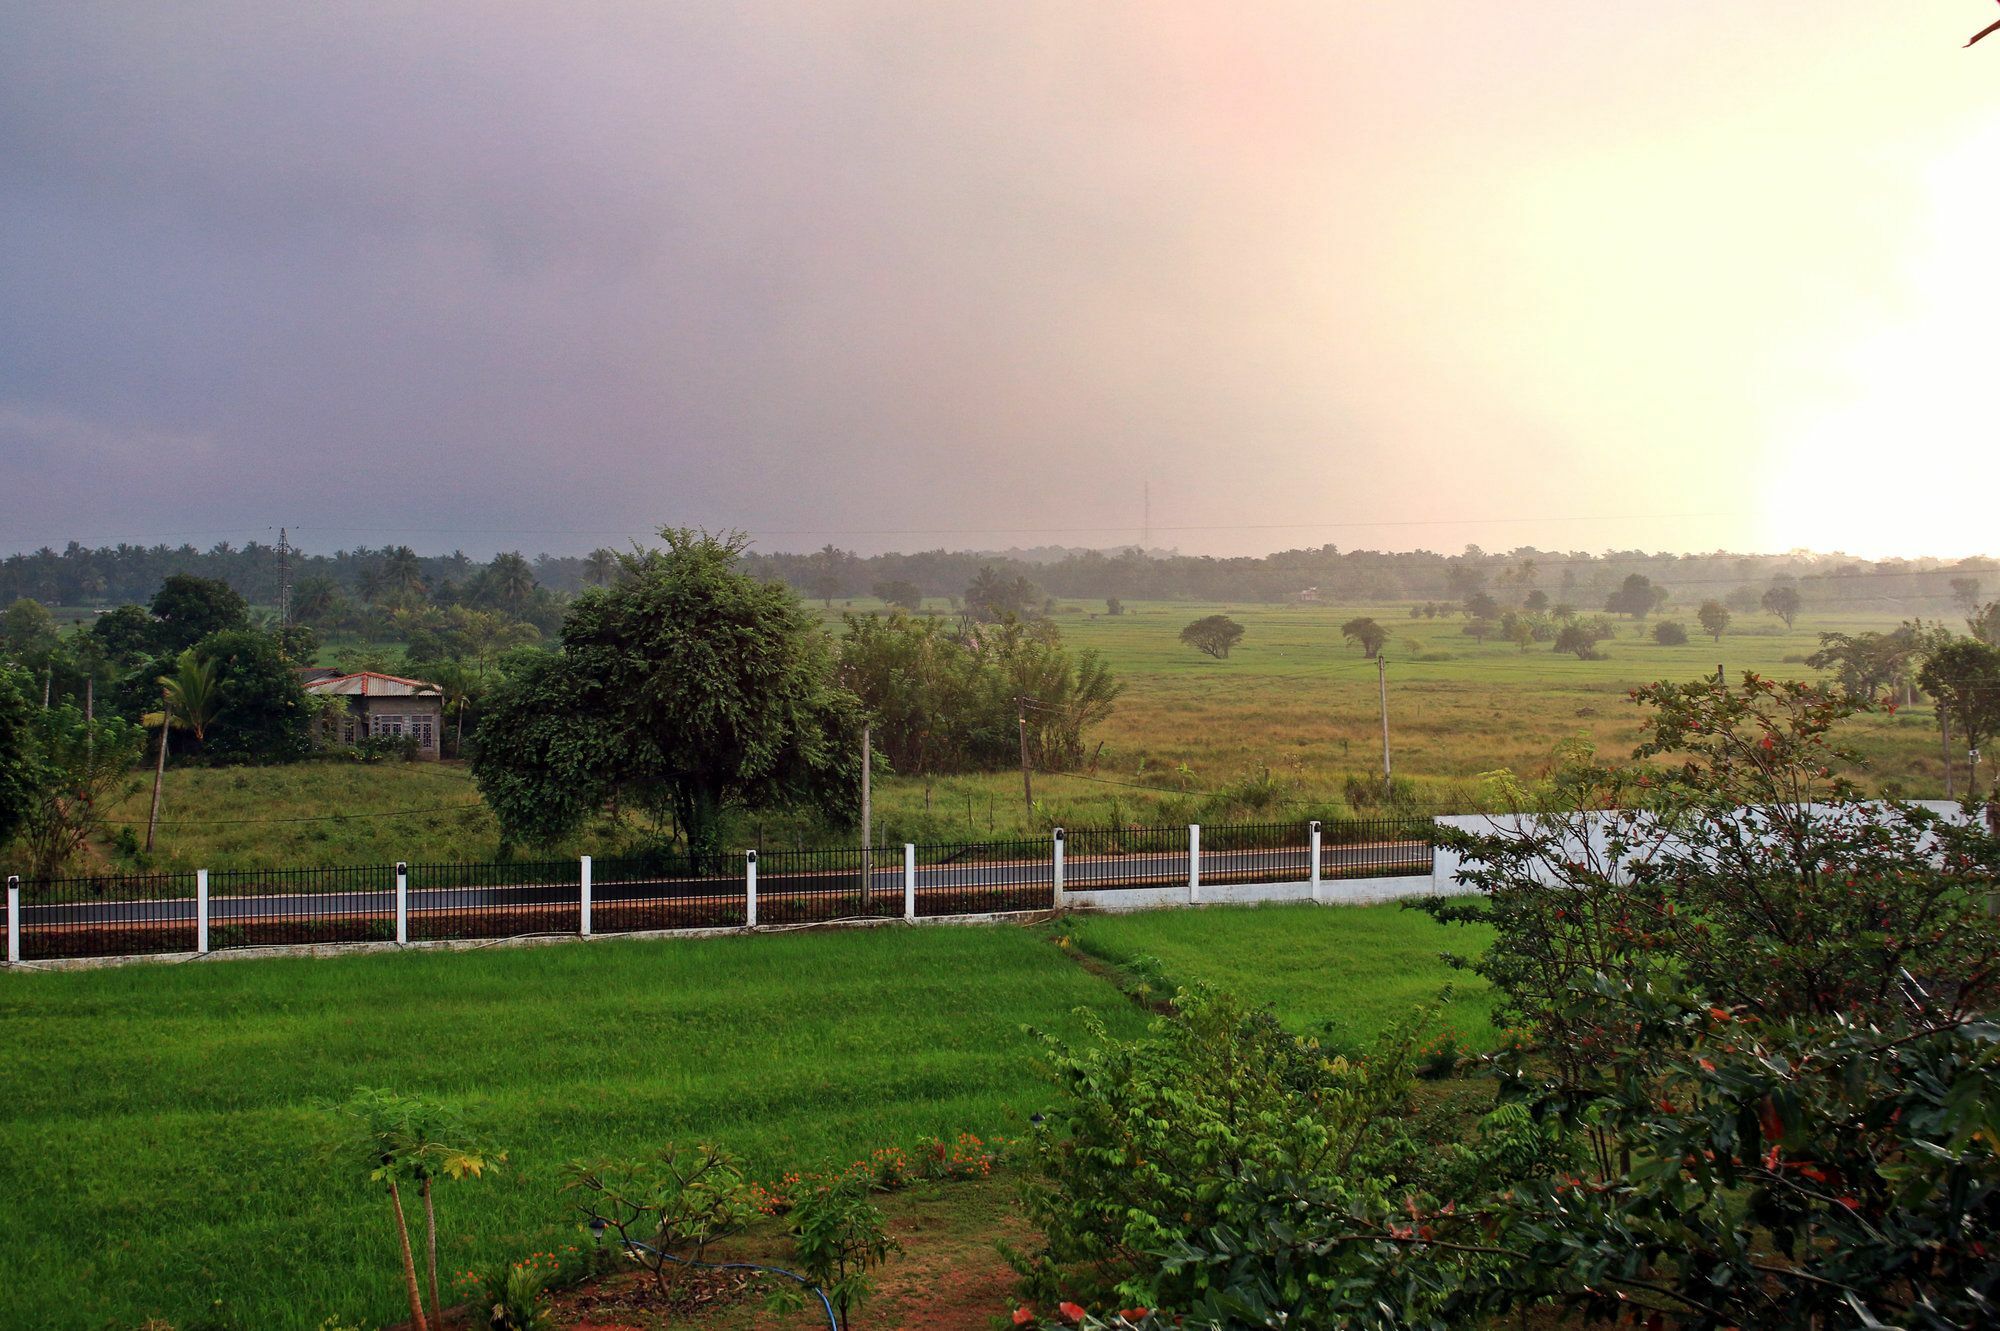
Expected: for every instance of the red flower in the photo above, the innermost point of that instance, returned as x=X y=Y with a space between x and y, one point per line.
x=1134 y=1314
x=1023 y=1315
x=1070 y=1312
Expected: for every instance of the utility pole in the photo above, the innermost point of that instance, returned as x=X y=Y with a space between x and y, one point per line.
x=159 y=769
x=284 y=579
x=1944 y=728
x=1027 y=776
x=1382 y=684
x=867 y=833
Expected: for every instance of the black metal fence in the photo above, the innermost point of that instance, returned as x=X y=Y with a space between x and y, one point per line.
x=1096 y=858
x=111 y=915
x=140 y=914
x=271 y=907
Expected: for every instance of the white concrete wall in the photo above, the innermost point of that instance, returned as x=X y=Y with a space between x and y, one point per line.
x=1332 y=892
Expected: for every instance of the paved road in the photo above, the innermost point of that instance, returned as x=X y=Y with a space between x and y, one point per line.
x=1079 y=873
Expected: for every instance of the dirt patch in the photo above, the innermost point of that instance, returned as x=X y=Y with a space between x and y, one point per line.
x=949 y=1277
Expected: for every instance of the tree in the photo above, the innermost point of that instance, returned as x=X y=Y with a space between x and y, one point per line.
x=80 y=768
x=124 y=636
x=1113 y=606
x=189 y=608
x=1714 y=617
x=21 y=775
x=1536 y=600
x=1636 y=596
x=1965 y=591
x=1519 y=629
x=688 y=685
x=261 y=708
x=315 y=599
x=192 y=696
x=1783 y=601
x=1481 y=605
x=992 y=596
x=829 y=573
x=511 y=580
x=600 y=566
x=1581 y=636
x=900 y=592
x=1868 y=665
x=1366 y=634
x=1670 y=633
x=27 y=629
x=396 y=1139
x=1964 y=676
x=1479 y=629
x=1213 y=634
x=1984 y=623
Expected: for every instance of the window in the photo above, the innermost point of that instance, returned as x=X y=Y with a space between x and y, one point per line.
x=390 y=725
x=424 y=727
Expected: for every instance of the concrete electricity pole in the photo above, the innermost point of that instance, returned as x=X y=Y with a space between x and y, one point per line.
x=867 y=834
x=1027 y=779
x=1382 y=684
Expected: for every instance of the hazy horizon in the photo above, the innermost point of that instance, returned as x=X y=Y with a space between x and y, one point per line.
x=1579 y=276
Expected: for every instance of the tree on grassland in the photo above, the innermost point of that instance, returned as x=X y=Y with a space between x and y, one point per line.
x=1868 y=665
x=688 y=687
x=1636 y=596
x=1213 y=634
x=1580 y=637
x=1783 y=600
x=993 y=596
x=1670 y=633
x=901 y=593
x=1964 y=676
x=1714 y=617
x=1366 y=634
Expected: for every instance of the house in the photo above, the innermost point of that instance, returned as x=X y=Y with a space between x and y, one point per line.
x=386 y=707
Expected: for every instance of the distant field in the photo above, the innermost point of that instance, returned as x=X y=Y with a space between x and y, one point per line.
x=1359 y=967
x=159 y=1148
x=1192 y=739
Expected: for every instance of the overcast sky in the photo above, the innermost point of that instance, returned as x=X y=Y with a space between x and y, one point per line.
x=1388 y=273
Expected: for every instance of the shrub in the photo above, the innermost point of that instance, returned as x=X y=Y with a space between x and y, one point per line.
x=666 y=1208
x=1670 y=633
x=1154 y=1140
x=839 y=1235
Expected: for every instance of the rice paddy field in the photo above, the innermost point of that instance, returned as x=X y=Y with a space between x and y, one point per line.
x=163 y=1146
x=1288 y=726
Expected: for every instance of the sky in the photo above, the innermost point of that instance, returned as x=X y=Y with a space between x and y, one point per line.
x=1390 y=274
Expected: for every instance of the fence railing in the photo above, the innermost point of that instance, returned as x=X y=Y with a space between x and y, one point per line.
x=202 y=911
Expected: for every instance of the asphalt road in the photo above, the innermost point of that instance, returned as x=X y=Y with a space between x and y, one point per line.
x=1091 y=873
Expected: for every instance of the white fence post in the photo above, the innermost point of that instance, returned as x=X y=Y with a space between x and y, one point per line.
x=402 y=903
x=201 y=910
x=750 y=889
x=1194 y=864
x=583 y=898
x=1314 y=826
x=13 y=919
x=1059 y=869
x=909 y=881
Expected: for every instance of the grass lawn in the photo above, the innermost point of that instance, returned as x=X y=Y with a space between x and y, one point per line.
x=159 y=1145
x=1360 y=967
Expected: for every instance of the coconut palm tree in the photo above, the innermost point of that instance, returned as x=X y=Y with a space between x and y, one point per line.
x=513 y=578
x=191 y=699
x=600 y=567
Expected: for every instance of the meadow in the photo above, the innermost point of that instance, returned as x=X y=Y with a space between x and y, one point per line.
x=162 y=1144
x=1287 y=727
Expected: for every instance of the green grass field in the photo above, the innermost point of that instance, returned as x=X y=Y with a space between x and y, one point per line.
x=1358 y=967
x=1192 y=739
x=158 y=1139
x=160 y=1145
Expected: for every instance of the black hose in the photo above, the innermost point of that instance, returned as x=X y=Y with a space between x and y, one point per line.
x=833 y=1323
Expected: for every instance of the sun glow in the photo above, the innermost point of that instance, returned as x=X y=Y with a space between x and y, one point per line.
x=1904 y=457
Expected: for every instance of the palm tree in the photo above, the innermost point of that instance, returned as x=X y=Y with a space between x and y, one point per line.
x=402 y=572
x=513 y=579
x=191 y=699
x=600 y=567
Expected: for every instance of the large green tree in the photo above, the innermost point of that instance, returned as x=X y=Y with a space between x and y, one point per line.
x=189 y=608
x=689 y=688
x=20 y=775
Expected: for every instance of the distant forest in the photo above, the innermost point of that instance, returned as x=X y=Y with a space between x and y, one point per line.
x=115 y=575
